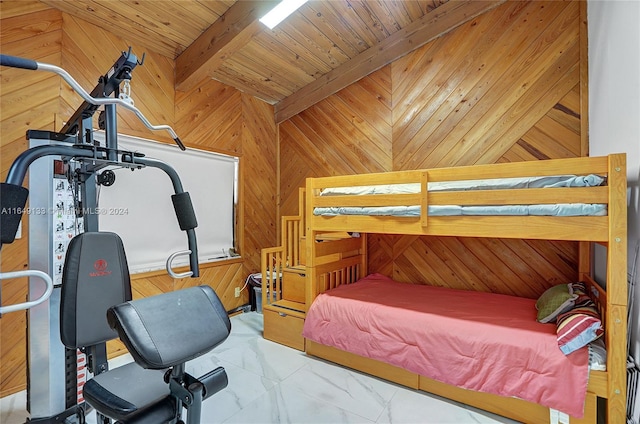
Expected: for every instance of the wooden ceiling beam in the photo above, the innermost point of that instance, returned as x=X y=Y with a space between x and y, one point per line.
x=432 y=25
x=232 y=31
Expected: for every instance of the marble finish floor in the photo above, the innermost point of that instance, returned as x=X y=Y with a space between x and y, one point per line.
x=270 y=383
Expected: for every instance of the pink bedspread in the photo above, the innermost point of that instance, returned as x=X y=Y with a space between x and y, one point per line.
x=479 y=341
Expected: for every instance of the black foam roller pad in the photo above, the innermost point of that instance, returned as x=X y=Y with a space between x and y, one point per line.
x=184 y=211
x=13 y=198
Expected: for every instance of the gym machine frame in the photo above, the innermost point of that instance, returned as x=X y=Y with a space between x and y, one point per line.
x=85 y=158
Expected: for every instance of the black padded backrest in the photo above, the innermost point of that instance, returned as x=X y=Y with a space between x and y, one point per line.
x=171 y=328
x=95 y=277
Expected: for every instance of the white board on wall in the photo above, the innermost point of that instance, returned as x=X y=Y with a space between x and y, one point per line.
x=138 y=205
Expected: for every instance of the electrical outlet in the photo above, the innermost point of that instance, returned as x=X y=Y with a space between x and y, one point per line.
x=237 y=292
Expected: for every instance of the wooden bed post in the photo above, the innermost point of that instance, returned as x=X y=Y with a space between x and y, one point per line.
x=311 y=284
x=616 y=331
x=585 y=258
x=585 y=249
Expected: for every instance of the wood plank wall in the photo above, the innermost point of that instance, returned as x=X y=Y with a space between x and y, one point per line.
x=27 y=100
x=504 y=87
x=212 y=117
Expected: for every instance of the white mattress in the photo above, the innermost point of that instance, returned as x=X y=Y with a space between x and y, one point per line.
x=560 y=209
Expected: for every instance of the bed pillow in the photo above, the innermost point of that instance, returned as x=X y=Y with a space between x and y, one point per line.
x=579 y=326
x=597 y=355
x=579 y=288
x=554 y=301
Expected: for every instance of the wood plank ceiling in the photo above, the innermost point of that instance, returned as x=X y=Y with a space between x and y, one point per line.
x=320 y=49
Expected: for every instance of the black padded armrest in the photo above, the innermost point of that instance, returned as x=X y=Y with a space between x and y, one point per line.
x=171 y=328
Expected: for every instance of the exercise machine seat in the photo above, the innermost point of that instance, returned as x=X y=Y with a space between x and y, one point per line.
x=131 y=394
x=96 y=277
x=162 y=332
x=172 y=328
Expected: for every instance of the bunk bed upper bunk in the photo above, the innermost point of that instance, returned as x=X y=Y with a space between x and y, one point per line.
x=597 y=213
x=471 y=200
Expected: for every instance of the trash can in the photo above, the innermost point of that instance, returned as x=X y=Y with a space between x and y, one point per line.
x=257 y=293
x=254 y=282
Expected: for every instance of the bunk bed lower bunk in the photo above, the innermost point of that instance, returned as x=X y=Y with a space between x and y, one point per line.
x=484 y=381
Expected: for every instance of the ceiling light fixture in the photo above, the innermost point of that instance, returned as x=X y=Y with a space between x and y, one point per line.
x=280 y=12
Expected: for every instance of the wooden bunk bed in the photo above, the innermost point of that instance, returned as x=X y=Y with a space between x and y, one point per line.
x=335 y=262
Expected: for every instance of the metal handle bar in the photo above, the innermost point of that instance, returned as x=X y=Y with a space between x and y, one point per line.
x=26 y=305
x=19 y=62
x=169 y=264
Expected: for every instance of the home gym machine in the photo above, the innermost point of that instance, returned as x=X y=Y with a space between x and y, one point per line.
x=74 y=163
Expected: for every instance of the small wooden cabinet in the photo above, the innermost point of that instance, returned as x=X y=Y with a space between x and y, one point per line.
x=284 y=315
x=283 y=327
x=293 y=285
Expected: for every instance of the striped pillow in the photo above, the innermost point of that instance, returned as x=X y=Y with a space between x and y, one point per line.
x=579 y=326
